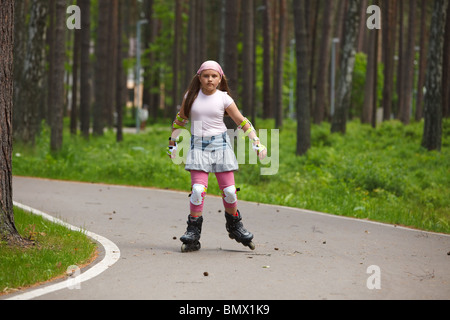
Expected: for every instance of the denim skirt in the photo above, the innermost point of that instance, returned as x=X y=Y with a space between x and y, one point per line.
x=211 y=154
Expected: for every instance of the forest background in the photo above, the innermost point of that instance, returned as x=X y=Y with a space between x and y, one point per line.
x=277 y=57
x=254 y=40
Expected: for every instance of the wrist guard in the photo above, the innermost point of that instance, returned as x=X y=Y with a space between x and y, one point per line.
x=242 y=125
x=181 y=120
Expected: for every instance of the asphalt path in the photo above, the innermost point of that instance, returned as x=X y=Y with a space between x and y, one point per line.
x=299 y=254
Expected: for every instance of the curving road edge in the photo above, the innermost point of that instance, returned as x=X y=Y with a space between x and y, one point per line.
x=112 y=255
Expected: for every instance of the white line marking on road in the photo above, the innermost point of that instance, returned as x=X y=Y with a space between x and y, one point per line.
x=112 y=255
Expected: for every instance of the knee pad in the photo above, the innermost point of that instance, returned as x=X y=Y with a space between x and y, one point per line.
x=198 y=194
x=229 y=195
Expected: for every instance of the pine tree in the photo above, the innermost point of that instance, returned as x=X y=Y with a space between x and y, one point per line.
x=8 y=231
x=432 y=134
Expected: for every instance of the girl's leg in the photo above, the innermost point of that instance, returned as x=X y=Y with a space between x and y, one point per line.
x=227 y=185
x=233 y=217
x=199 y=184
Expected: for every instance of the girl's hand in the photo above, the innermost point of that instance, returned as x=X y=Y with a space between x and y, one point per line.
x=171 y=151
x=172 y=148
x=260 y=149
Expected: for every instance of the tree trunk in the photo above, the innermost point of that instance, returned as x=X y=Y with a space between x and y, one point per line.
x=278 y=85
x=324 y=63
x=221 y=54
x=255 y=45
x=389 y=30
x=422 y=61
x=267 y=87
x=408 y=67
x=302 y=52
x=231 y=41
x=339 y=25
x=8 y=231
x=75 y=68
x=121 y=85
x=366 y=115
x=401 y=59
x=248 y=50
x=190 y=55
x=446 y=70
x=370 y=105
x=432 y=134
x=312 y=18
x=176 y=59
x=110 y=98
x=361 y=41
x=147 y=34
x=151 y=78
x=56 y=136
x=339 y=123
x=375 y=79
x=29 y=81
x=85 y=67
x=200 y=34
x=21 y=9
x=230 y=64
x=101 y=67
x=50 y=60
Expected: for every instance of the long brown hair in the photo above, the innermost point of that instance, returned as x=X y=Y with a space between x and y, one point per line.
x=193 y=90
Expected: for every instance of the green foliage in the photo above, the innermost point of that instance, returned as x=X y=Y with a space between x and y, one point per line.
x=381 y=174
x=55 y=249
x=359 y=81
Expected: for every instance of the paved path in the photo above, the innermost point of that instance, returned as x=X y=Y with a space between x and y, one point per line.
x=299 y=255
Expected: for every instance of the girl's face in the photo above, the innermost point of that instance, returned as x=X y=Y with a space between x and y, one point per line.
x=209 y=80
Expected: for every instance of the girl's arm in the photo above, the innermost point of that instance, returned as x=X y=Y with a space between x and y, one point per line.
x=238 y=118
x=179 y=123
x=247 y=127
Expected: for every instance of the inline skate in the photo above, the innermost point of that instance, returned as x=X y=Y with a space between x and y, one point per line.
x=192 y=236
x=237 y=231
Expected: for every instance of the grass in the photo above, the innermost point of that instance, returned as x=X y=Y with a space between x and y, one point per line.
x=55 y=249
x=382 y=174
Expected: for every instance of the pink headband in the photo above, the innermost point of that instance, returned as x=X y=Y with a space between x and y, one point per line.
x=210 y=65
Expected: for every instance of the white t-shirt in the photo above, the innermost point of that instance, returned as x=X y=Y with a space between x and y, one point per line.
x=207 y=113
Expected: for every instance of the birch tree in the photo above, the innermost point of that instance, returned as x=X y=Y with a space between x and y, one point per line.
x=30 y=74
x=339 y=122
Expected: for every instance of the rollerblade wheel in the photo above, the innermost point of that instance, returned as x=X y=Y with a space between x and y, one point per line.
x=251 y=245
x=190 y=247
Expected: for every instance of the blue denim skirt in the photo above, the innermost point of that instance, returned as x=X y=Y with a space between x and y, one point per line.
x=211 y=154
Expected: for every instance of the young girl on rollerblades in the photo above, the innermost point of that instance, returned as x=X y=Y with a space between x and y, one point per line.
x=205 y=103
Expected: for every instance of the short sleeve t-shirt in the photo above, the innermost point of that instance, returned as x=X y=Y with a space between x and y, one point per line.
x=207 y=113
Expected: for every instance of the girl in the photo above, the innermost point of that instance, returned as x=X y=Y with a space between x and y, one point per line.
x=206 y=102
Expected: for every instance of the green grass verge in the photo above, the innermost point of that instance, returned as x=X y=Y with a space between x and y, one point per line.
x=55 y=249
x=382 y=174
